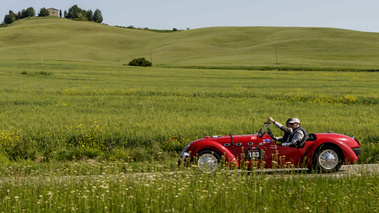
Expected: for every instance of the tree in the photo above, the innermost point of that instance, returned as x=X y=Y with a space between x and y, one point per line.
x=19 y=15
x=60 y=13
x=97 y=16
x=89 y=15
x=140 y=62
x=77 y=13
x=29 y=12
x=23 y=14
x=74 y=12
x=10 y=18
x=43 y=12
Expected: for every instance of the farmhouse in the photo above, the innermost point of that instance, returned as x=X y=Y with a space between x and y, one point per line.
x=53 y=12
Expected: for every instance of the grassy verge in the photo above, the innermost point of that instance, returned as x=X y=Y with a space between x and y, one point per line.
x=187 y=190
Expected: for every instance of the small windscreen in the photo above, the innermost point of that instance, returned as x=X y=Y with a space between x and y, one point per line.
x=264 y=128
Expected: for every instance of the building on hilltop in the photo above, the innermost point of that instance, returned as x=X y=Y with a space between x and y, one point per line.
x=53 y=12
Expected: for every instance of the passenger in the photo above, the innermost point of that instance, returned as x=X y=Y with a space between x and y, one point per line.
x=294 y=134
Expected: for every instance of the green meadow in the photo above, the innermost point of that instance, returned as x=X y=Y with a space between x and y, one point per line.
x=65 y=41
x=67 y=95
x=60 y=108
x=79 y=131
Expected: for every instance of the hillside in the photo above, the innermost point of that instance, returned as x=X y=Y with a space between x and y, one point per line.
x=63 y=40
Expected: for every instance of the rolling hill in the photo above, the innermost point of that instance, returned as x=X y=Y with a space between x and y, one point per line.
x=61 y=40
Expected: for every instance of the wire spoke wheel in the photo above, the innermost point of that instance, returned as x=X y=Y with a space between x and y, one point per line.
x=208 y=162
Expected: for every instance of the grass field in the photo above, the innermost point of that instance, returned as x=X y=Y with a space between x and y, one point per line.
x=66 y=41
x=61 y=108
x=77 y=128
x=81 y=97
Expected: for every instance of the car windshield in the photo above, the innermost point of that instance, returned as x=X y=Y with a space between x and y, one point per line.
x=264 y=129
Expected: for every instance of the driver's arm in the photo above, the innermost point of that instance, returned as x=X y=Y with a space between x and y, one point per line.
x=283 y=128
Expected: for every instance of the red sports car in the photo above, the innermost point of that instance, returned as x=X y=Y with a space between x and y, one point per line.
x=324 y=152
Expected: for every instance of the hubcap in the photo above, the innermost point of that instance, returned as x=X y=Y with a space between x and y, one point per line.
x=328 y=159
x=207 y=163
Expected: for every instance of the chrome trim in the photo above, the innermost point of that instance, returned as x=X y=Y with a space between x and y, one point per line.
x=328 y=159
x=226 y=144
x=250 y=143
x=238 y=144
x=183 y=153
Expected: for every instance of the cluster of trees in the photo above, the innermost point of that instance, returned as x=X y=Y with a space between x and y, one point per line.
x=142 y=62
x=77 y=13
x=74 y=12
x=12 y=17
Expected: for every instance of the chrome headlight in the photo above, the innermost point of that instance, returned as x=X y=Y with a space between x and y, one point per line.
x=184 y=154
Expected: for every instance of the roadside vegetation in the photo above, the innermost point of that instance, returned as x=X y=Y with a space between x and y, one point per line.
x=121 y=188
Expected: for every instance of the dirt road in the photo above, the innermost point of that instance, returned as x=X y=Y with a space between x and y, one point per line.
x=346 y=170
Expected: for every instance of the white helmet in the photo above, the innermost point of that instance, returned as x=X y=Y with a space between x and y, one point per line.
x=293 y=120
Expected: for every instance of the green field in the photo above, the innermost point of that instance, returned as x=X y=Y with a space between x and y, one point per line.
x=81 y=97
x=65 y=92
x=78 y=129
x=65 y=41
x=57 y=107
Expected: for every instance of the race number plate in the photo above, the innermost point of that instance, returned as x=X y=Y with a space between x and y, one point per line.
x=253 y=153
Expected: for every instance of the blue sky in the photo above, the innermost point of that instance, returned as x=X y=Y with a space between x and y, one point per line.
x=359 y=15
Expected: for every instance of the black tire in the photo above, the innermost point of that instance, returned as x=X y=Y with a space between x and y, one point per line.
x=327 y=159
x=208 y=161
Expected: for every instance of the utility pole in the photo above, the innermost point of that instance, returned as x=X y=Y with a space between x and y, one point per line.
x=151 y=57
x=41 y=54
x=276 y=51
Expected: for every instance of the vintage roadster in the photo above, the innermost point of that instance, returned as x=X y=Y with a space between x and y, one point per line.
x=322 y=152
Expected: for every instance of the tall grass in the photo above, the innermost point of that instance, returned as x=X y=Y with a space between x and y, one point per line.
x=187 y=190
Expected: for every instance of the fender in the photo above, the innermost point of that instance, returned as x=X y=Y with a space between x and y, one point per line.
x=220 y=149
x=349 y=155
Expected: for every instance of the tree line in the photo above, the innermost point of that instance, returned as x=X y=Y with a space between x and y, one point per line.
x=74 y=12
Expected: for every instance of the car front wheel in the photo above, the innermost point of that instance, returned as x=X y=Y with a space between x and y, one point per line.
x=328 y=159
x=208 y=161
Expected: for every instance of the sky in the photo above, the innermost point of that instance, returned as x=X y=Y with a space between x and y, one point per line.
x=360 y=15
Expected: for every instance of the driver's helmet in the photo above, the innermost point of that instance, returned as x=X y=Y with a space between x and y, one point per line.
x=293 y=120
x=289 y=121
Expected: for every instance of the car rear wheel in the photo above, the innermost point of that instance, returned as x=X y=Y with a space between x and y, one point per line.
x=208 y=161
x=328 y=159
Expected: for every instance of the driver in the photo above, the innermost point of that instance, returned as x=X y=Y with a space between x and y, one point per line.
x=294 y=134
x=286 y=129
